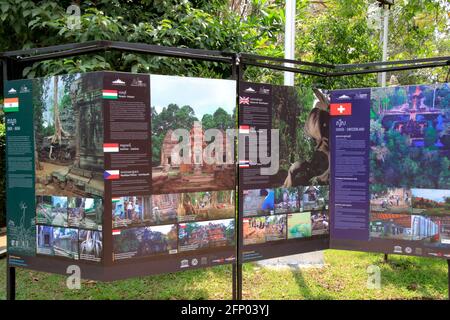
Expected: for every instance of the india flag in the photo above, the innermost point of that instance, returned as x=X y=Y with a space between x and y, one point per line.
x=11 y=105
x=110 y=147
x=111 y=175
x=115 y=200
x=244 y=129
x=110 y=94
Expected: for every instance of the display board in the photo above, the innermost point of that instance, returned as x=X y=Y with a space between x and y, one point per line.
x=93 y=180
x=390 y=160
x=283 y=187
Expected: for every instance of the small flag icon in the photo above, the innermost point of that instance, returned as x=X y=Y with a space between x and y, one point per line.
x=244 y=100
x=110 y=94
x=110 y=147
x=244 y=163
x=244 y=129
x=116 y=232
x=11 y=105
x=341 y=109
x=111 y=175
x=115 y=200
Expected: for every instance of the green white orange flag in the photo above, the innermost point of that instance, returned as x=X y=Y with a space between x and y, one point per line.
x=11 y=105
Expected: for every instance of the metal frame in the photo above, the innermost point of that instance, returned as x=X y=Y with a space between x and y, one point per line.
x=14 y=62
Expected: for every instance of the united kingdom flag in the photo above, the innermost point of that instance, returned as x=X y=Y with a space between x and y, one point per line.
x=244 y=100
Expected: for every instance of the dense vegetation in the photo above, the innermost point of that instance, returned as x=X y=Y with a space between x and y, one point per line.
x=333 y=31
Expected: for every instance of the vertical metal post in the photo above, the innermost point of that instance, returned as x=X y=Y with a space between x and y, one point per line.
x=10 y=282
x=289 y=40
x=385 y=41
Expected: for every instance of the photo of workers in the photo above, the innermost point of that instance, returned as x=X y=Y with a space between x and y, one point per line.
x=313 y=198
x=391 y=200
x=164 y=208
x=320 y=222
x=287 y=200
x=258 y=202
x=128 y=211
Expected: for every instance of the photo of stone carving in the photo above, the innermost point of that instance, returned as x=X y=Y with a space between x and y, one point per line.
x=68 y=123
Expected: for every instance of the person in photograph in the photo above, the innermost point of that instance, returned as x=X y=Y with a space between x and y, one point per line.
x=269 y=199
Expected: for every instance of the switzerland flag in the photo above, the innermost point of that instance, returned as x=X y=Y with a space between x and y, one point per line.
x=341 y=109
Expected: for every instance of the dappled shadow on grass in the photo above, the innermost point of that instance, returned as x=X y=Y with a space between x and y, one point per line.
x=304 y=287
x=425 y=277
x=211 y=283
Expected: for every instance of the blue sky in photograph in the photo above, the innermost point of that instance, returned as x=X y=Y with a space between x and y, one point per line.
x=434 y=194
x=203 y=95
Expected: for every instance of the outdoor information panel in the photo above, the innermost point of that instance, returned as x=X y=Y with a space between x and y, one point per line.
x=283 y=170
x=92 y=181
x=390 y=185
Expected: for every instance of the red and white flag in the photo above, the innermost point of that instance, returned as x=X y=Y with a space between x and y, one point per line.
x=341 y=109
x=244 y=100
x=110 y=147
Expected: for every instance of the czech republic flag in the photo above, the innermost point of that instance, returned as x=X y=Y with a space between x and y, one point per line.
x=111 y=175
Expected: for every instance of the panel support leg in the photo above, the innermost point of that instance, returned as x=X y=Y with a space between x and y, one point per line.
x=10 y=283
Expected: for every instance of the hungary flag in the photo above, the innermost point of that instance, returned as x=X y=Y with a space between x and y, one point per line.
x=111 y=175
x=11 y=105
x=110 y=147
x=110 y=94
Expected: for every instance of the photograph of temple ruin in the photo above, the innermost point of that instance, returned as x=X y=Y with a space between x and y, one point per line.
x=313 y=198
x=51 y=210
x=195 y=105
x=287 y=200
x=85 y=212
x=391 y=200
x=164 y=208
x=299 y=225
x=208 y=205
x=158 y=240
x=411 y=123
x=57 y=241
x=90 y=245
x=258 y=202
x=301 y=115
x=128 y=211
x=431 y=202
x=320 y=222
x=68 y=122
x=205 y=234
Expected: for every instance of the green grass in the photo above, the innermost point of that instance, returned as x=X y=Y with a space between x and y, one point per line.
x=343 y=277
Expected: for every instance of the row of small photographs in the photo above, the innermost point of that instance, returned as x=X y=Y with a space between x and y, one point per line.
x=430 y=230
x=172 y=208
x=172 y=238
x=262 y=229
x=426 y=202
x=258 y=202
x=69 y=242
x=76 y=212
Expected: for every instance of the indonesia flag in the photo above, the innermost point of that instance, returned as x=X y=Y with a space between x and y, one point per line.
x=110 y=94
x=244 y=129
x=110 y=147
x=11 y=105
x=116 y=232
x=244 y=164
x=341 y=109
x=111 y=175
